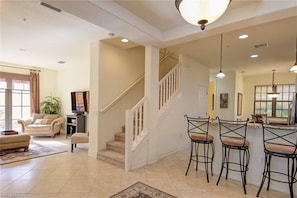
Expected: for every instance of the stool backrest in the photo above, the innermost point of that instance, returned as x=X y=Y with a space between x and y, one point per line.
x=281 y=136
x=197 y=125
x=233 y=129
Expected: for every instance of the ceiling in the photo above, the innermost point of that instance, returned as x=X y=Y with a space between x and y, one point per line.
x=37 y=36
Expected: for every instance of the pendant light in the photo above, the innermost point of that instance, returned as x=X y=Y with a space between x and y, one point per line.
x=221 y=74
x=201 y=12
x=273 y=94
x=294 y=67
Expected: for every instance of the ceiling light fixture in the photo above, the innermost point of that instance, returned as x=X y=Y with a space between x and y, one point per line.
x=294 y=67
x=254 y=56
x=273 y=94
x=243 y=36
x=201 y=12
x=125 y=40
x=221 y=74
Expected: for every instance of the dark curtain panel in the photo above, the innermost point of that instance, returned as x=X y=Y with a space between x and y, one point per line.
x=34 y=92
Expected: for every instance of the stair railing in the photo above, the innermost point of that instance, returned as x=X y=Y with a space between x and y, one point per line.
x=135 y=129
x=169 y=85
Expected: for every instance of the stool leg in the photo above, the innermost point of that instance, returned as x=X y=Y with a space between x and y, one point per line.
x=268 y=170
x=291 y=175
x=71 y=147
x=227 y=162
x=212 y=157
x=206 y=152
x=197 y=154
x=242 y=166
x=223 y=162
x=191 y=154
x=264 y=175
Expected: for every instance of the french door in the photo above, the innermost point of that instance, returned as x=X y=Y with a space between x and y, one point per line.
x=14 y=100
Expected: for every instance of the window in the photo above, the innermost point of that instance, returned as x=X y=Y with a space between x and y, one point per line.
x=15 y=100
x=273 y=107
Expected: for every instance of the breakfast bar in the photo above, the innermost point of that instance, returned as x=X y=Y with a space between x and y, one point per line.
x=257 y=158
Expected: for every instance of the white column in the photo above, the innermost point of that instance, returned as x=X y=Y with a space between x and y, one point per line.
x=94 y=101
x=151 y=85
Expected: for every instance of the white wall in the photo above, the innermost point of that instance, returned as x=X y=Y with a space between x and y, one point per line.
x=72 y=79
x=173 y=137
x=226 y=85
x=249 y=83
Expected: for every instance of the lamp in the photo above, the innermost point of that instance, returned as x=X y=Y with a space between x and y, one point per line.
x=294 y=67
x=221 y=74
x=273 y=94
x=201 y=12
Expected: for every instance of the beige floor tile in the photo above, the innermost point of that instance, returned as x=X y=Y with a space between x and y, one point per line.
x=78 y=175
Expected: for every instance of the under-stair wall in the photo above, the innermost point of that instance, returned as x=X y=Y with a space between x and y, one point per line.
x=171 y=133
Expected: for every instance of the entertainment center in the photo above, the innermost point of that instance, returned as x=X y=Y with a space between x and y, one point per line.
x=79 y=106
x=75 y=123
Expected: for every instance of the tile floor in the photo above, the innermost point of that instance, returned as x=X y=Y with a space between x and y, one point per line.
x=78 y=175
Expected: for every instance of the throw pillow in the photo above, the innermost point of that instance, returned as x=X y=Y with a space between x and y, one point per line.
x=41 y=121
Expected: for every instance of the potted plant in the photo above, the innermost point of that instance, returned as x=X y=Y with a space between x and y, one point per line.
x=51 y=105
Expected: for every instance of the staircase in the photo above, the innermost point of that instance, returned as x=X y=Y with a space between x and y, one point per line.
x=115 y=150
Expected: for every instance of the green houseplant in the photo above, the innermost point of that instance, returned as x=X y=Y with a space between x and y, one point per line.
x=51 y=105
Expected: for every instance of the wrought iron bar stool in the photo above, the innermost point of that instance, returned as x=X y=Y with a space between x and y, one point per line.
x=280 y=142
x=198 y=133
x=233 y=137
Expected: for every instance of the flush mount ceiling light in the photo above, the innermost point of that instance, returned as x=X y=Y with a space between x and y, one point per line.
x=294 y=67
x=243 y=36
x=273 y=94
x=201 y=12
x=125 y=40
x=221 y=74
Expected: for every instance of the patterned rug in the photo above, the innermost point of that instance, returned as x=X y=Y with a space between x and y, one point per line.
x=141 y=190
x=35 y=150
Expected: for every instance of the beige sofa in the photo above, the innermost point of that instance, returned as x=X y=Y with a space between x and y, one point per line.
x=42 y=125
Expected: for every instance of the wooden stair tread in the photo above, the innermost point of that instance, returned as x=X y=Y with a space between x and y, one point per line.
x=117 y=144
x=112 y=154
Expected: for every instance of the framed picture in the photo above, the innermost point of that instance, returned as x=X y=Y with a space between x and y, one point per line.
x=239 y=104
x=223 y=100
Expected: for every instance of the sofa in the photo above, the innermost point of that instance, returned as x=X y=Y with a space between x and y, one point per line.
x=42 y=124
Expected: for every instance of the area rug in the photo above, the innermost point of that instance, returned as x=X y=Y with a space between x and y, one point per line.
x=35 y=150
x=141 y=190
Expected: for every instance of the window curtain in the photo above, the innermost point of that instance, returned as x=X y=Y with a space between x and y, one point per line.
x=34 y=92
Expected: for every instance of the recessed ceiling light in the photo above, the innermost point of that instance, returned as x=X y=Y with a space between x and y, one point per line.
x=243 y=36
x=125 y=40
x=254 y=56
x=61 y=62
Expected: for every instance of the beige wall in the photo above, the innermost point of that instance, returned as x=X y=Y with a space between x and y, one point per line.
x=249 y=83
x=118 y=70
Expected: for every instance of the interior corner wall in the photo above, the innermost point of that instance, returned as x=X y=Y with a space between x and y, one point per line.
x=172 y=125
x=118 y=69
x=72 y=78
x=225 y=86
x=238 y=89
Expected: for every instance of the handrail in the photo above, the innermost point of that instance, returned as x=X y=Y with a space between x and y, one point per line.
x=107 y=107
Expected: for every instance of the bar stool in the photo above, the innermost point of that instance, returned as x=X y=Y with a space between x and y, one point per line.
x=280 y=142
x=198 y=133
x=233 y=137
